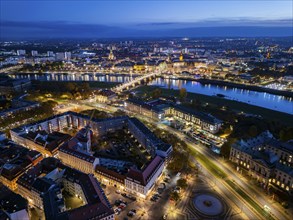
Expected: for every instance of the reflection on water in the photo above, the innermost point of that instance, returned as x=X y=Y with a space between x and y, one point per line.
x=262 y=99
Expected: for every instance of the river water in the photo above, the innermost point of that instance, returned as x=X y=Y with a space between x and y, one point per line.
x=262 y=99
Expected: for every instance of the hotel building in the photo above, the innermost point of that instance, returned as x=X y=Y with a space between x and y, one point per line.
x=266 y=159
x=159 y=109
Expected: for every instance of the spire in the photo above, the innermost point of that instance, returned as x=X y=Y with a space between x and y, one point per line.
x=181 y=57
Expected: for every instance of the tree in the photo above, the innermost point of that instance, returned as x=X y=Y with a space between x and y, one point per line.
x=182 y=94
x=156 y=93
x=286 y=134
x=70 y=87
x=226 y=147
x=252 y=130
x=182 y=183
x=174 y=196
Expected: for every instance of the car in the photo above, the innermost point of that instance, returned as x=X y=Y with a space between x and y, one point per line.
x=131 y=214
x=117 y=202
x=157 y=195
x=131 y=197
x=123 y=194
x=117 y=211
x=122 y=201
x=160 y=191
x=122 y=205
x=178 y=188
x=118 y=191
x=133 y=210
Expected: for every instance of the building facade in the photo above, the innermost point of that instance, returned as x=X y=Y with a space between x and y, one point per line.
x=265 y=159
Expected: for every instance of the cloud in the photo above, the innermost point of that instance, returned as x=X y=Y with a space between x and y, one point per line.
x=209 y=28
x=212 y=22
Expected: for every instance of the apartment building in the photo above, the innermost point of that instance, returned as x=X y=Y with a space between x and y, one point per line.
x=42 y=186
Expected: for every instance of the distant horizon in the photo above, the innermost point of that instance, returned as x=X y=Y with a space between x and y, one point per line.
x=102 y=32
x=144 y=18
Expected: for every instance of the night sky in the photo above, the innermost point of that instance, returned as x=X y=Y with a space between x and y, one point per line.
x=140 y=18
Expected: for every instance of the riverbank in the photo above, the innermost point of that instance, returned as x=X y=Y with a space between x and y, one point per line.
x=92 y=84
x=268 y=114
x=287 y=94
x=202 y=81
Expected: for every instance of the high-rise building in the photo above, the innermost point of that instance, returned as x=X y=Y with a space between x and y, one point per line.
x=60 y=56
x=20 y=52
x=34 y=53
x=67 y=55
x=50 y=53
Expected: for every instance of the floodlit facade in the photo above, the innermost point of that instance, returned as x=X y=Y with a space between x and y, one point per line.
x=266 y=159
x=157 y=110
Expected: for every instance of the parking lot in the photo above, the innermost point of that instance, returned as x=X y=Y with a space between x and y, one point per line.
x=155 y=206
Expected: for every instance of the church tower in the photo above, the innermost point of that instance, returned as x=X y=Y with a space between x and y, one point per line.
x=181 y=57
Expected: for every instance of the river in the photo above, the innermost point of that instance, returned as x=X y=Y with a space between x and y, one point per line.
x=261 y=99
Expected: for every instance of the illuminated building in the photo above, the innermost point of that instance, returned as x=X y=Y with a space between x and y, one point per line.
x=158 y=109
x=42 y=186
x=181 y=57
x=141 y=182
x=20 y=52
x=266 y=159
x=14 y=161
x=111 y=56
x=34 y=53
x=12 y=205
x=42 y=141
x=76 y=152
x=139 y=67
x=105 y=96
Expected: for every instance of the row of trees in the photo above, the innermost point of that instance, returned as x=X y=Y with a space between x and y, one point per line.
x=249 y=127
x=157 y=93
x=44 y=111
x=67 y=90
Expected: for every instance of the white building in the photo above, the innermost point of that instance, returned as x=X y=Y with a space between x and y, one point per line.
x=34 y=53
x=20 y=52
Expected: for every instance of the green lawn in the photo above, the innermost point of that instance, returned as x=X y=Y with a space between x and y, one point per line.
x=102 y=85
x=248 y=199
x=283 y=118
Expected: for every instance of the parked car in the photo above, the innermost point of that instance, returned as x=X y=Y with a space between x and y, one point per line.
x=131 y=197
x=123 y=194
x=118 y=191
x=117 y=211
x=122 y=205
x=131 y=214
x=178 y=189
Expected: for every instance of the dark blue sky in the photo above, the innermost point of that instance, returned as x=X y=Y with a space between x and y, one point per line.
x=101 y=18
